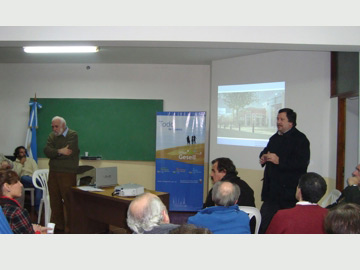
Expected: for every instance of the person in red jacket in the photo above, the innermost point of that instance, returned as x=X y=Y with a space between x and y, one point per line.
x=307 y=217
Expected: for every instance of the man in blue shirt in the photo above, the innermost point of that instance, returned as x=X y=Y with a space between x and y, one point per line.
x=225 y=217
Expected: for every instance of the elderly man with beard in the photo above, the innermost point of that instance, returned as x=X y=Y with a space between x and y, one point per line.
x=63 y=151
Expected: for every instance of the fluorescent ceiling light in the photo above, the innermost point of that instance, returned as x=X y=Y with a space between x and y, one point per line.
x=61 y=49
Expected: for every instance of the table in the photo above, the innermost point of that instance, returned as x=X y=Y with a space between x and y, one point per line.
x=93 y=212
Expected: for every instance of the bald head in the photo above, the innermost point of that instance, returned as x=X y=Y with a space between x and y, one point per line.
x=145 y=212
x=226 y=189
x=138 y=206
x=225 y=193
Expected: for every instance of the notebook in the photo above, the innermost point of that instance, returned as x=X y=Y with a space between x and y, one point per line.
x=106 y=177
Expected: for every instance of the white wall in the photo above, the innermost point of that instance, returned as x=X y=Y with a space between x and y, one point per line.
x=307 y=77
x=183 y=88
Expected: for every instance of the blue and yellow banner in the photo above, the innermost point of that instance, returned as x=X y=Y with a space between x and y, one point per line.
x=180 y=147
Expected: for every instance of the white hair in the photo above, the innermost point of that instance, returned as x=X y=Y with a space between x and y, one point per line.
x=62 y=120
x=147 y=218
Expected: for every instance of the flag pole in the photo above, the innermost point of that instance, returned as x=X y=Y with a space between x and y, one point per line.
x=30 y=141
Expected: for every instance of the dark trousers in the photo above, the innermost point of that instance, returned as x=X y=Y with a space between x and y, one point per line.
x=59 y=185
x=269 y=209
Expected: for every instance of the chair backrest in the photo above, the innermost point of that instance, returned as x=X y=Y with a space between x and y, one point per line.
x=331 y=198
x=40 y=178
x=253 y=212
x=4 y=224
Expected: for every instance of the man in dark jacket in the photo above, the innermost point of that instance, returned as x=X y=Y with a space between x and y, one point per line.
x=223 y=169
x=286 y=158
x=351 y=194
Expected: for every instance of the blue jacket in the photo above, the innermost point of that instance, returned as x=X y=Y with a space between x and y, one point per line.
x=4 y=224
x=222 y=220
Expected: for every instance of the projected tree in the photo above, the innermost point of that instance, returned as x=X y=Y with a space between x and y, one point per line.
x=237 y=102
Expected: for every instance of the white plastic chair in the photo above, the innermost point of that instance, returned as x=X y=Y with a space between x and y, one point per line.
x=331 y=198
x=253 y=211
x=42 y=178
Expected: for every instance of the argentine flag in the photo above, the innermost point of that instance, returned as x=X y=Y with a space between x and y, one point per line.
x=30 y=141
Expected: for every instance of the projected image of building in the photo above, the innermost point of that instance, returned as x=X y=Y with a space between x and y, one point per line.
x=247 y=113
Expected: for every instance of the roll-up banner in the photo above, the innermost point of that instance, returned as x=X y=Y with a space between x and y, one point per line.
x=180 y=147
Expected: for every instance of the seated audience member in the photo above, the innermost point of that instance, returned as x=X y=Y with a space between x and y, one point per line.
x=351 y=194
x=223 y=169
x=343 y=219
x=225 y=216
x=25 y=167
x=18 y=217
x=190 y=229
x=5 y=163
x=148 y=215
x=307 y=217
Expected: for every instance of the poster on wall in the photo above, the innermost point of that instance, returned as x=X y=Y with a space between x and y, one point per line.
x=180 y=146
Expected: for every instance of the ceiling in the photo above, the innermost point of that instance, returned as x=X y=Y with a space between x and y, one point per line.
x=131 y=55
x=167 y=45
x=147 y=52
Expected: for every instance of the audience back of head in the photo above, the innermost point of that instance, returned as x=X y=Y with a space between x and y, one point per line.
x=343 y=219
x=312 y=186
x=225 y=193
x=7 y=177
x=145 y=212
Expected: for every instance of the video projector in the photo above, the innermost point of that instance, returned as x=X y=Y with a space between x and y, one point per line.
x=128 y=190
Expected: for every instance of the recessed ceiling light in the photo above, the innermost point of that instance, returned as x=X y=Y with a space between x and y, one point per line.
x=61 y=49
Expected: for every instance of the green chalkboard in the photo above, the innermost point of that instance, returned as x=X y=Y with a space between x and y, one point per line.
x=115 y=129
